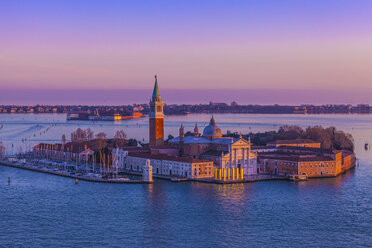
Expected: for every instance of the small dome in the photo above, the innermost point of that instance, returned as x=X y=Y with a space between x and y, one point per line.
x=212 y=131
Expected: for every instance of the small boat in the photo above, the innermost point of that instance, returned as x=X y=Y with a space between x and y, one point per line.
x=297 y=178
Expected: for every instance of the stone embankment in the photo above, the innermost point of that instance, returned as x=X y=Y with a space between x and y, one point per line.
x=63 y=174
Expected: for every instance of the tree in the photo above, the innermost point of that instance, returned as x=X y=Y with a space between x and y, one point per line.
x=101 y=140
x=343 y=141
x=318 y=133
x=290 y=132
x=89 y=134
x=132 y=142
x=189 y=133
x=330 y=138
x=63 y=139
x=81 y=135
x=78 y=136
x=120 y=138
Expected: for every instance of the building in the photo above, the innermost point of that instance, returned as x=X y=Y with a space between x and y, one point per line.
x=225 y=152
x=170 y=165
x=311 y=162
x=295 y=142
x=156 y=118
x=119 y=156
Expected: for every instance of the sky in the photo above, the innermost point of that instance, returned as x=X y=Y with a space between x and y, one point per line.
x=258 y=45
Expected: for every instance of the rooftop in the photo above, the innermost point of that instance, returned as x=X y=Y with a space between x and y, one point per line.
x=298 y=158
x=294 y=141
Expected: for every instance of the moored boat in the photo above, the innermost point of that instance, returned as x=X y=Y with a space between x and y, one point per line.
x=297 y=178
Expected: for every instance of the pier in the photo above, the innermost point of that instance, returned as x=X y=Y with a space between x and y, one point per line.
x=65 y=174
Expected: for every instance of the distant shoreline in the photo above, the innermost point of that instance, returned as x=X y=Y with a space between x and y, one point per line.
x=185 y=109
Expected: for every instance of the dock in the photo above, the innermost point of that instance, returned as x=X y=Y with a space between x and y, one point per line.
x=83 y=178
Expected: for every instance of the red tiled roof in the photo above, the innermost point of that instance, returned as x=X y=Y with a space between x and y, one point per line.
x=213 y=153
x=295 y=141
x=261 y=147
x=299 y=158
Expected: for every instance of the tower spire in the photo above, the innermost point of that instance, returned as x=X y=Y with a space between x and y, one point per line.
x=156 y=92
x=212 y=122
x=196 y=130
x=182 y=131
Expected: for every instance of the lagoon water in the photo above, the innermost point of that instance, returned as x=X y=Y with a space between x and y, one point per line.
x=39 y=210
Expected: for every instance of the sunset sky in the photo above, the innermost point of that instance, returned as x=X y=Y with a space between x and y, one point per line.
x=81 y=44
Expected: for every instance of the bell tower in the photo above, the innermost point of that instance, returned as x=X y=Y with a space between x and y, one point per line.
x=156 y=118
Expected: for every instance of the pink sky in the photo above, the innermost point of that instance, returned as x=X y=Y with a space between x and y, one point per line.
x=224 y=44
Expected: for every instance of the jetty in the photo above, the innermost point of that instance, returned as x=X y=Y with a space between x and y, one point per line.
x=78 y=177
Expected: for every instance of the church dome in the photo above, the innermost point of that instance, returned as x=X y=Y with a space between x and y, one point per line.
x=212 y=131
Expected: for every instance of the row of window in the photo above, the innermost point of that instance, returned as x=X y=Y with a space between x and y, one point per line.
x=320 y=172
x=316 y=165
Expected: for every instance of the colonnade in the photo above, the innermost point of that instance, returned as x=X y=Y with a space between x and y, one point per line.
x=233 y=174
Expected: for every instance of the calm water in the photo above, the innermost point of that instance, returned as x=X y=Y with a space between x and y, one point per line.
x=44 y=210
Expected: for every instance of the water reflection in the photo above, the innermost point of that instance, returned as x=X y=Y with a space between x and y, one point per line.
x=265 y=214
x=334 y=183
